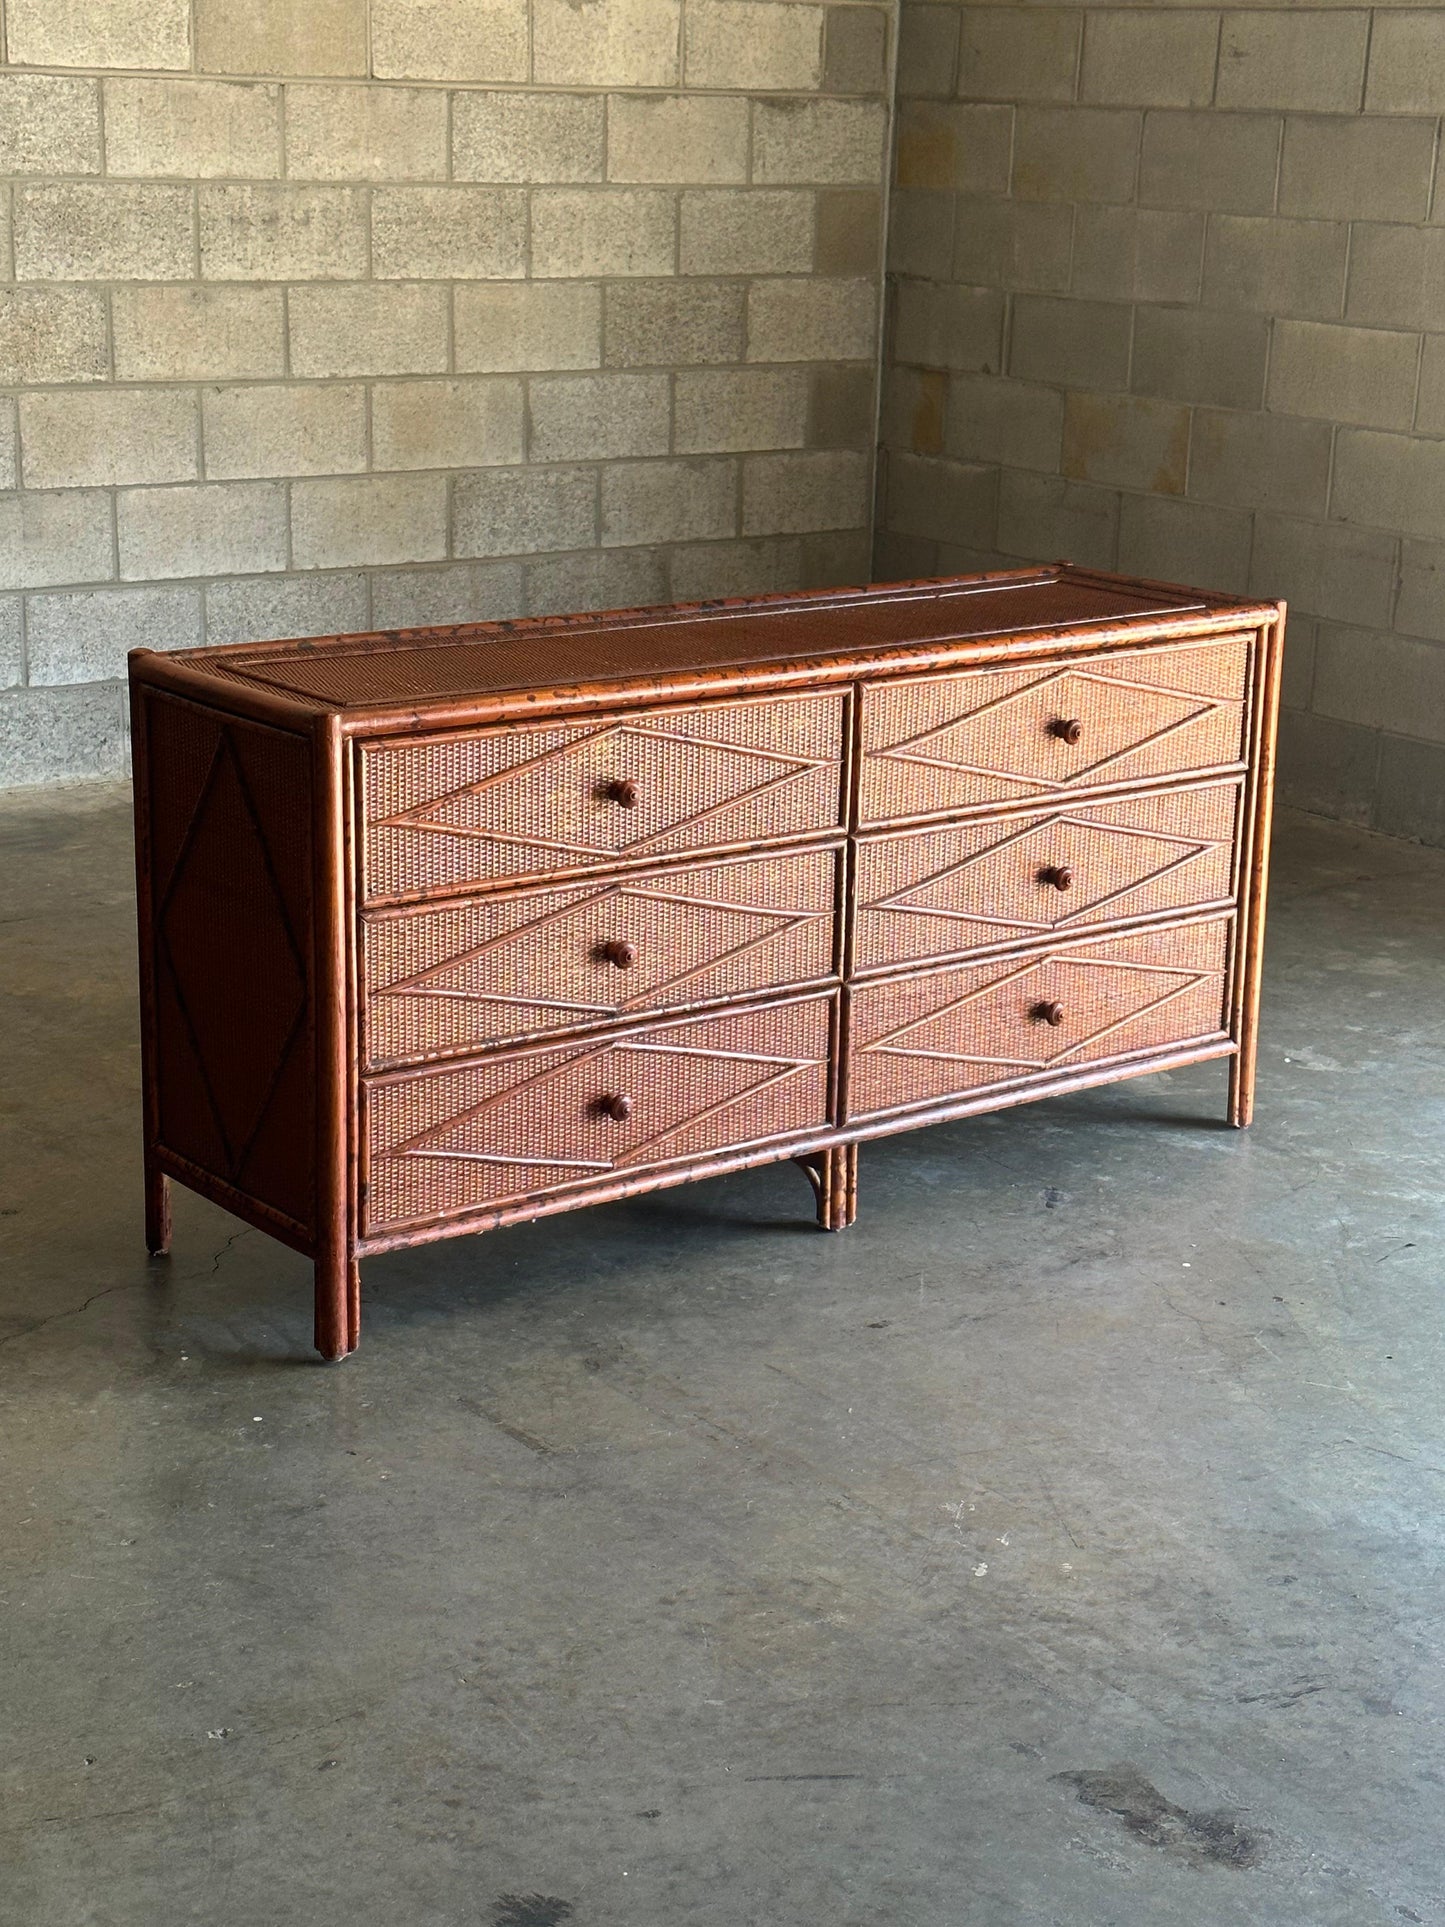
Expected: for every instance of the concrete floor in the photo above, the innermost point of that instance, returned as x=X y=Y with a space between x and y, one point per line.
x=1059 y=1546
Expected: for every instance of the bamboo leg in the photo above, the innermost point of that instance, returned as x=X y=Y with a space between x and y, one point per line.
x=338 y=1305
x=158 y=1211
x=1241 y=1084
x=833 y=1175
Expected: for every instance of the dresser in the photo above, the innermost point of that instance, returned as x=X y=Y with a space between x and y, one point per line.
x=443 y=929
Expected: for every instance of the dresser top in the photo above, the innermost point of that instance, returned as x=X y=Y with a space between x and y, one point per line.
x=508 y=665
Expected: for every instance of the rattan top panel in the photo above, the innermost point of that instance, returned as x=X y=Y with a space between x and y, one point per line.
x=479 y=660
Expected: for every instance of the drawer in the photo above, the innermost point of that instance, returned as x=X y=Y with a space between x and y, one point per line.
x=503 y=967
x=513 y=1127
x=941 y=891
x=965 y=1030
x=448 y=812
x=934 y=744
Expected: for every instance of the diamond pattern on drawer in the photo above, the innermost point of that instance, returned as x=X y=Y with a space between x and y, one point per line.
x=950 y=1033
x=521 y=965
x=982 y=736
x=521 y=1124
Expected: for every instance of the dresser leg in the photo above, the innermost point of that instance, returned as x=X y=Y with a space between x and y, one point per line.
x=338 y=1305
x=833 y=1175
x=1241 y=1087
x=158 y=1211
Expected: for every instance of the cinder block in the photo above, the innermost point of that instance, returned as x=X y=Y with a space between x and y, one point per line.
x=1297 y=673
x=1127 y=440
x=764 y=565
x=1259 y=461
x=528 y=324
x=928 y=53
x=46 y=539
x=944 y=501
x=834 y=558
x=1042 y=518
x=528 y=137
x=208 y=528
x=733 y=409
x=818 y=140
x=1397 y=276
x=448 y=233
x=746 y=231
x=1389 y=482
x=914 y=401
x=993 y=420
x=198 y=334
x=1200 y=354
x=1364 y=375
x=449 y=39
x=673 y=324
x=367 y=330
x=1344 y=169
x=7 y=254
x=99 y=33
x=811 y=320
x=1407 y=62
x=1075 y=154
x=954 y=145
x=103 y=231
x=49 y=124
x=905 y=558
x=52 y=334
x=83 y=635
x=12 y=648
x=849 y=236
x=598 y=417
x=449 y=592
x=473 y=423
x=578 y=231
x=280 y=37
x=366 y=133
x=842 y=408
x=1430 y=403
x=1148 y=59
x=598 y=579
x=269 y=607
x=1138 y=254
x=735 y=43
x=1314 y=62
x=1410 y=799
x=1173 y=541
x=1018 y=53
x=668 y=502
x=690 y=138
x=920 y=233
x=1023 y=245
x=283 y=233
x=9 y=443
x=606 y=43
x=1327 y=767
x=1083 y=344
x=99 y=437
x=339 y=524
x=855 y=50
x=1276 y=267
x=949 y=327
x=519 y=511
x=202 y=129
x=1380 y=681
x=793 y=493
x=1325 y=569
x=62 y=735
x=301 y=428
x=1225 y=163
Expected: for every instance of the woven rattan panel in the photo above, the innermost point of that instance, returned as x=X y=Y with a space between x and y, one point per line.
x=527 y=1123
x=956 y=1032
x=230 y=890
x=471 y=808
x=523 y=964
x=949 y=889
x=941 y=743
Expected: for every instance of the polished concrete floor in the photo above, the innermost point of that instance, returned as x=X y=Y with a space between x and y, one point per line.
x=1060 y=1547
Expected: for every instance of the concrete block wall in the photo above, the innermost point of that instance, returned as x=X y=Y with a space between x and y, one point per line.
x=325 y=315
x=1167 y=294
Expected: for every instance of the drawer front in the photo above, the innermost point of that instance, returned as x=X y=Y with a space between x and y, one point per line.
x=523 y=964
x=1006 y=880
x=961 y=1031
x=940 y=743
x=500 y=1131
x=447 y=812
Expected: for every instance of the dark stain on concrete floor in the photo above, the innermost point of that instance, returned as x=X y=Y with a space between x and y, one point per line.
x=1197 y=1839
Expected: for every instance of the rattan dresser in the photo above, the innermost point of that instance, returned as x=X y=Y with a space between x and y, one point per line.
x=447 y=928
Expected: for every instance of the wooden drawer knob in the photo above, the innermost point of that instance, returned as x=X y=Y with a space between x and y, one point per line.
x=1049 y=1013
x=617 y=1107
x=620 y=952
x=1067 y=728
x=1059 y=874
x=623 y=790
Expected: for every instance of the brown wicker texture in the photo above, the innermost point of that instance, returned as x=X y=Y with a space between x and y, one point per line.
x=529 y=1122
x=944 y=1033
x=230 y=884
x=468 y=809
x=526 y=964
x=953 y=742
x=949 y=889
